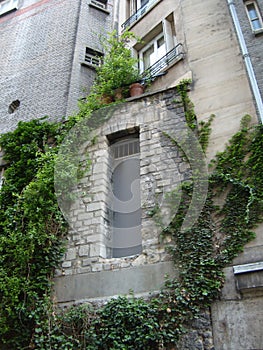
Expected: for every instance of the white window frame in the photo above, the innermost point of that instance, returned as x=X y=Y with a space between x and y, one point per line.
x=146 y=47
x=258 y=18
x=8 y=6
x=170 y=41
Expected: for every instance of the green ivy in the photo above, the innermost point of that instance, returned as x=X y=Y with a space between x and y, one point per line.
x=188 y=105
x=31 y=227
x=204 y=132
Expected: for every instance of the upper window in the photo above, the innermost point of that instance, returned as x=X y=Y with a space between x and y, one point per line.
x=161 y=50
x=102 y=4
x=254 y=15
x=7 y=6
x=135 y=9
x=13 y=106
x=135 y=5
x=152 y=52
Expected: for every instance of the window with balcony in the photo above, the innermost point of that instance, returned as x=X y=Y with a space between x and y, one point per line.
x=135 y=5
x=8 y=6
x=152 y=52
x=161 y=48
x=135 y=9
x=254 y=16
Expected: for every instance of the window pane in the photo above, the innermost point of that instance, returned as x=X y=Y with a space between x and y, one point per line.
x=144 y=2
x=256 y=24
x=252 y=11
x=160 y=42
x=147 y=57
x=125 y=197
x=127 y=237
x=254 y=16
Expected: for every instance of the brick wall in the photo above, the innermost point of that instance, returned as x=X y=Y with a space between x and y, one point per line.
x=254 y=42
x=42 y=46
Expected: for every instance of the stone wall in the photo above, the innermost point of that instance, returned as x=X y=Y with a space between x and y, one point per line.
x=199 y=335
x=162 y=169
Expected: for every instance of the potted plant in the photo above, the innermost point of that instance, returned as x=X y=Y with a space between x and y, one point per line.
x=136 y=89
x=119 y=69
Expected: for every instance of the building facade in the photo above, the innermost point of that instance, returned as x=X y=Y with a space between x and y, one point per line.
x=180 y=40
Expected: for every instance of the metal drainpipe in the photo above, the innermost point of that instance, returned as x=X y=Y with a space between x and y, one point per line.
x=116 y=9
x=247 y=60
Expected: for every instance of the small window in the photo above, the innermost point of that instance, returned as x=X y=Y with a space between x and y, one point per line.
x=13 y=106
x=93 y=57
x=7 y=6
x=254 y=16
x=102 y=4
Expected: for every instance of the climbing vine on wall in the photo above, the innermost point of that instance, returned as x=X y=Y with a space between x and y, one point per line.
x=31 y=246
x=31 y=227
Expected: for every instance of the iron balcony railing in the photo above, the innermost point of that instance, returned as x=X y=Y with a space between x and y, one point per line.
x=139 y=13
x=172 y=56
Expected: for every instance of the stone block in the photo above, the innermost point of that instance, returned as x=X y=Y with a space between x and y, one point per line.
x=66 y=264
x=71 y=254
x=84 y=250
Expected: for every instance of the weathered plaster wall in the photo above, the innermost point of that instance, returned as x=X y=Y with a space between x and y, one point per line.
x=212 y=60
x=237 y=319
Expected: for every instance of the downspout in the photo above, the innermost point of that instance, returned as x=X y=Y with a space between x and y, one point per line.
x=116 y=11
x=247 y=60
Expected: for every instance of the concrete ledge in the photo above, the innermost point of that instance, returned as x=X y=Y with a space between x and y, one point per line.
x=245 y=268
x=141 y=279
x=249 y=276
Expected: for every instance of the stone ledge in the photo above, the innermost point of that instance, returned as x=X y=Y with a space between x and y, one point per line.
x=86 y=286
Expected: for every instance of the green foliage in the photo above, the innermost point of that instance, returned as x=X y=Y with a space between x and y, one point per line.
x=204 y=132
x=119 y=70
x=123 y=323
x=31 y=227
x=127 y=324
x=188 y=105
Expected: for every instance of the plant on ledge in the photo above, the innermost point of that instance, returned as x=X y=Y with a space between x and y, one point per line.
x=119 y=68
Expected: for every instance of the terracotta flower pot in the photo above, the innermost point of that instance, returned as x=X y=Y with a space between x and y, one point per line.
x=106 y=99
x=118 y=94
x=136 y=89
